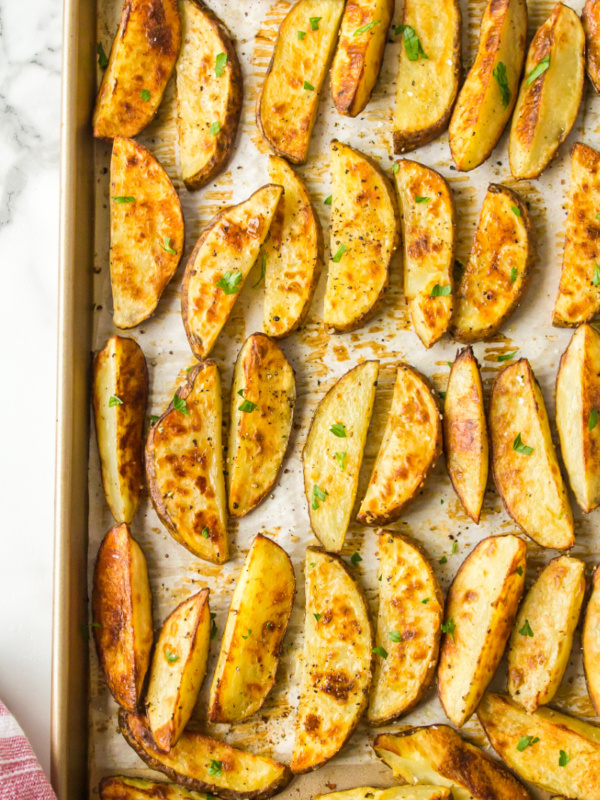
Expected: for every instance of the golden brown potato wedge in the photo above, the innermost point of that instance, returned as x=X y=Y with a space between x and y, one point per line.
x=393 y=793
x=120 y=395
x=258 y=616
x=209 y=95
x=146 y=232
x=122 y=788
x=499 y=269
x=480 y=612
x=220 y=262
x=524 y=463
x=429 y=71
x=338 y=639
x=590 y=642
x=287 y=105
x=428 y=234
x=411 y=445
x=184 y=466
x=122 y=614
x=333 y=452
x=489 y=93
x=591 y=25
x=411 y=609
x=203 y=764
x=141 y=61
x=262 y=409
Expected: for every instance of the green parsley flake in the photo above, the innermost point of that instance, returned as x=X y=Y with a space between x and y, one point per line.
x=314 y=23
x=215 y=128
x=113 y=400
x=317 y=616
x=220 y=64
x=507 y=356
x=167 y=246
x=339 y=430
x=308 y=86
x=179 y=404
x=247 y=406
x=426 y=600
x=230 y=282
x=563 y=758
x=526 y=741
x=449 y=627
x=213 y=625
x=145 y=95
x=367 y=27
x=454 y=548
x=153 y=419
x=541 y=67
x=301 y=35
x=395 y=168
x=171 y=657
x=379 y=651
x=263 y=270
x=519 y=570
x=593 y=419
x=516 y=211
x=216 y=768
x=420 y=199
x=412 y=43
x=102 y=57
x=443 y=560
x=328 y=200
x=341 y=460
x=440 y=291
x=356 y=559
x=442 y=395
x=205 y=533
x=317 y=494
x=501 y=77
x=596 y=278
x=526 y=630
x=121 y=198
x=248 y=635
x=519 y=447
x=340 y=252
x=395 y=636
x=513 y=275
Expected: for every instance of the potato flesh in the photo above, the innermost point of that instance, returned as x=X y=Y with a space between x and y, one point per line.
x=394 y=793
x=122 y=788
x=591 y=25
x=590 y=641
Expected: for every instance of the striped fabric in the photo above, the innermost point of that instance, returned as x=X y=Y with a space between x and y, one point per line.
x=21 y=777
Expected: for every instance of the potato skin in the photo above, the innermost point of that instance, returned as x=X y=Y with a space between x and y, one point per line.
x=125 y=788
x=590 y=643
x=591 y=25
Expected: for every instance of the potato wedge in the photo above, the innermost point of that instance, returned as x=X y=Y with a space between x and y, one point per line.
x=293 y=252
x=120 y=395
x=524 y=463
x=590 y=642
x=338 y=639
x=480 y=612
x=184 y=466
x=333 y=452
x=287 y=105
x=146 y=232
x=499 y=269
x=438 y=754
x=411 y=445
x=209 y=95
x=203 y=764
x=140 y=64
x=489 y=93
x=178 y=669
x=258 y=616
x=393 y=793
x=591 y=25
x=364 y=235
x=507 y=725
x=465 y=433
x=429 y=71
x=411 y=608
x=428 y=234
x=262 y=410
x=122 y=615
x=122 y=788
x=220 y=262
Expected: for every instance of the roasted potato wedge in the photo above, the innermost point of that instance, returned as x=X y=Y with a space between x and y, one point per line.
x=141 y=61
x=178 y=669
x=480 y=612
x=428 y=234
x=591 y=25
x=122 y=615
x=590 y=642
x=146 y=232
x=203 y=764
x=338 y=639
x=258 y=616
x=287 y=105
x=120 y=395
x=333 y=452
x=411 y=609
x=524 y=463
x=429 y=71
x=411 y=445
x=364 y=236
x=465 y=433
x=393 y=793
x=184 y=466
x=293 y=253
x=489 y=93
x=262 y=409
x=122 y=788
x=220 y=262
x=499 y=269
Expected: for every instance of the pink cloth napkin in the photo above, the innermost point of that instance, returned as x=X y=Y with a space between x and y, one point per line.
x=21 y=777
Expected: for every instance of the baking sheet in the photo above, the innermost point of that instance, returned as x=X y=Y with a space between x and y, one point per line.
x=319 y=358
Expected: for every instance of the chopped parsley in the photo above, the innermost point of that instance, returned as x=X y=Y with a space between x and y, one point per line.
x=356 y=559
x=395 y=168
x=153 y=419
x=213 y=625
x=426 y=600
x=513 y=275
x=507 y=356
x=317 y=616
x=340 y=252
x=526 y=630
x=102 y=57
x=412 y=43
x=171 y=657
x=113 y=400
x=308 y=86
x=379 y=651
x=519 y=447
x=215 y=128
x=563 y=758
x=167 y=246
x=449 y=627
x=454 y=548
x=538 y=70
x=593 y=419
x=122 y=198
x=317 y=494
x=301 y=35
x=443 y=560
x=220 y=64
x=526 y=741
x=216 y=767
x=145 y=95
x=421 y=199
x=328 y=200
x=596 y=278
x=519 y=570
x=516 y=211
x=248 y=635
x=440 y=291
x=230 y=282
x=263 y=270
x=339 y=429
x=314 y=23
x=341 y=460
x=367 y=27
x=501 y=77
x=395 y=636
x=205 y=533
x=247 y=406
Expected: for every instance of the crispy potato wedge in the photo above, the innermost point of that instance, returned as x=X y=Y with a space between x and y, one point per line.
x=591 y=25
x=411 y=608
x=465 y=433
x=120 y=395
x=262 y=409
x=429 y=74
x=480 y=612
x=146 y=232
x=338 y=639
x=428 y=223
x=287 y=105
x=293 y=252
x=411 y=445
x=438 y=754
x=122 y=614
x=122 y=788
x=258 y=616
x=499 y=269
x=140 y=64
x=364 y=235
x=209 y=95
x=203 y=764
x=590 y=642
x=220 y=262
x=333 y=452
x=393 y=793
x=489 y=93
x=178 y=669
x=184 y=466
x=524 y=463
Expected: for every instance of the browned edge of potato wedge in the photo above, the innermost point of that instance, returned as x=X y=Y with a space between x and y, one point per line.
x=393 y=793
x=591 y=25
x=120 y=787
x=590 y=643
